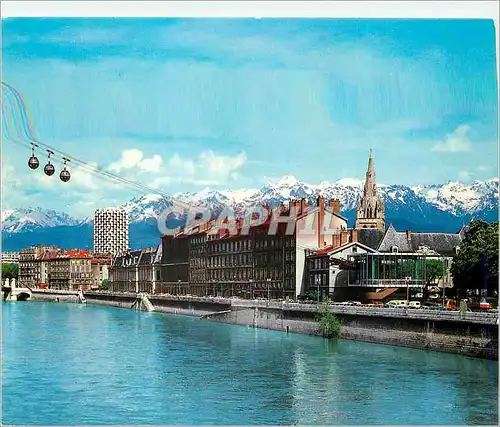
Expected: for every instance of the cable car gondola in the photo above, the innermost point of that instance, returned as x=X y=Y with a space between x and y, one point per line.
x=49 y=168
x=33 y=162
x=65 y=175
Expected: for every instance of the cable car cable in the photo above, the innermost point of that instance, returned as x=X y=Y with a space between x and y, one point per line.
x=90 y=168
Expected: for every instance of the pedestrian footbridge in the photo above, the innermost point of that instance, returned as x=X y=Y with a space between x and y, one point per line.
x=16 y=294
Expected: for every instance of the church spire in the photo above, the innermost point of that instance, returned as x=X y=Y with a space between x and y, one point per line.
x=370 y=188
x=370 y=211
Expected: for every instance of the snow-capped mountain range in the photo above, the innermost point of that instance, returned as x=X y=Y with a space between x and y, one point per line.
x=427 y=208
x=19 y=220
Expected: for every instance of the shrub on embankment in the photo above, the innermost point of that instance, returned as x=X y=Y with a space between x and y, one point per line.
x=328 y=322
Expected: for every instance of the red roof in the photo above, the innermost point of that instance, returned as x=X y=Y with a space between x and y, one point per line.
x=324 y=251
x=79 y=253
x=48 y=255
x=73 y=254
x=330 y=248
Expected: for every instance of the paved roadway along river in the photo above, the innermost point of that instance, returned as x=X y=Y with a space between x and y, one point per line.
x=73 y=364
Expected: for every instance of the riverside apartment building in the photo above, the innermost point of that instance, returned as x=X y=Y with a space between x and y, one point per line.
x=209 y=260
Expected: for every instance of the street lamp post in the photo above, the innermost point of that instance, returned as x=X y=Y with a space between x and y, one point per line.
x=318 y=278
x=268 y=289
x=232 y=286
x=251 y=289
x=443 y=282
x=407 y=280
x=179 y=286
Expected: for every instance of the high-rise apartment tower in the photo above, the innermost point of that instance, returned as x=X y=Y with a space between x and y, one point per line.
x=110 y=230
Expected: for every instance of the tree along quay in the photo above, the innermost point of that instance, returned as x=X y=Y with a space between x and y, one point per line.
x=471 y=334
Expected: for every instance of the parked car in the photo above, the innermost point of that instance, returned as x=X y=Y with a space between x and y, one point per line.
x=482 y=305
x=414 y=304
x=356 y=303
x=397 y=304
x=450 y=304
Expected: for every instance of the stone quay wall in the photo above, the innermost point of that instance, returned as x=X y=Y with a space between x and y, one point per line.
x=471 y=334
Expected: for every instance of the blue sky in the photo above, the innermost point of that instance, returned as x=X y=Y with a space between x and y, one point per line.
x=182 y=104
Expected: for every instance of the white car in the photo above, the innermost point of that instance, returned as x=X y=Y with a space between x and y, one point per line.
x=414 y=304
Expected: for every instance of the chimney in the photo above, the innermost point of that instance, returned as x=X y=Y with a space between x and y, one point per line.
x=408 y=234
x=320 y=220
x=344 y=237
x=354 y=235
x=303 y=205
x=334 y=205
x=336 y=240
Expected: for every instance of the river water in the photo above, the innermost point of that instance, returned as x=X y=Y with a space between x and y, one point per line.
x=67 y=364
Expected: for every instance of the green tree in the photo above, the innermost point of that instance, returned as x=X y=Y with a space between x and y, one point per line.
x=328 y=323
x=477 y=259
x=434 y=270
x=104 y=285
x=10 y=271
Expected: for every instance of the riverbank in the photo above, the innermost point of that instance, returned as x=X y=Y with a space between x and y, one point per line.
x=471 y=334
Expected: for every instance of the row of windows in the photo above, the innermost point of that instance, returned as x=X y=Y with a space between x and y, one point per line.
x=264 y=274
x=81 y=268
x=230 y=260
x=319 y=263
x=25 y=264
x=198 y=240
x=232 y=275
x=197 y=263
x=80 y=262
x=268 y=258
x=318 y=279
x=198 y=277
x=230 y=246
x=80 y=275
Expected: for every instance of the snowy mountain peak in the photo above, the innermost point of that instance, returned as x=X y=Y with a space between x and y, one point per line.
x=7 y=213
x=17 y=220
x=350 y=182
x=287 y=180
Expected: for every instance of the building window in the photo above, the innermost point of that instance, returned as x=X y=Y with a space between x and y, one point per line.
x=395 y=249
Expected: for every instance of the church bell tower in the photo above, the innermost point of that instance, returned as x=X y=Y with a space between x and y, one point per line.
x=370 y=210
